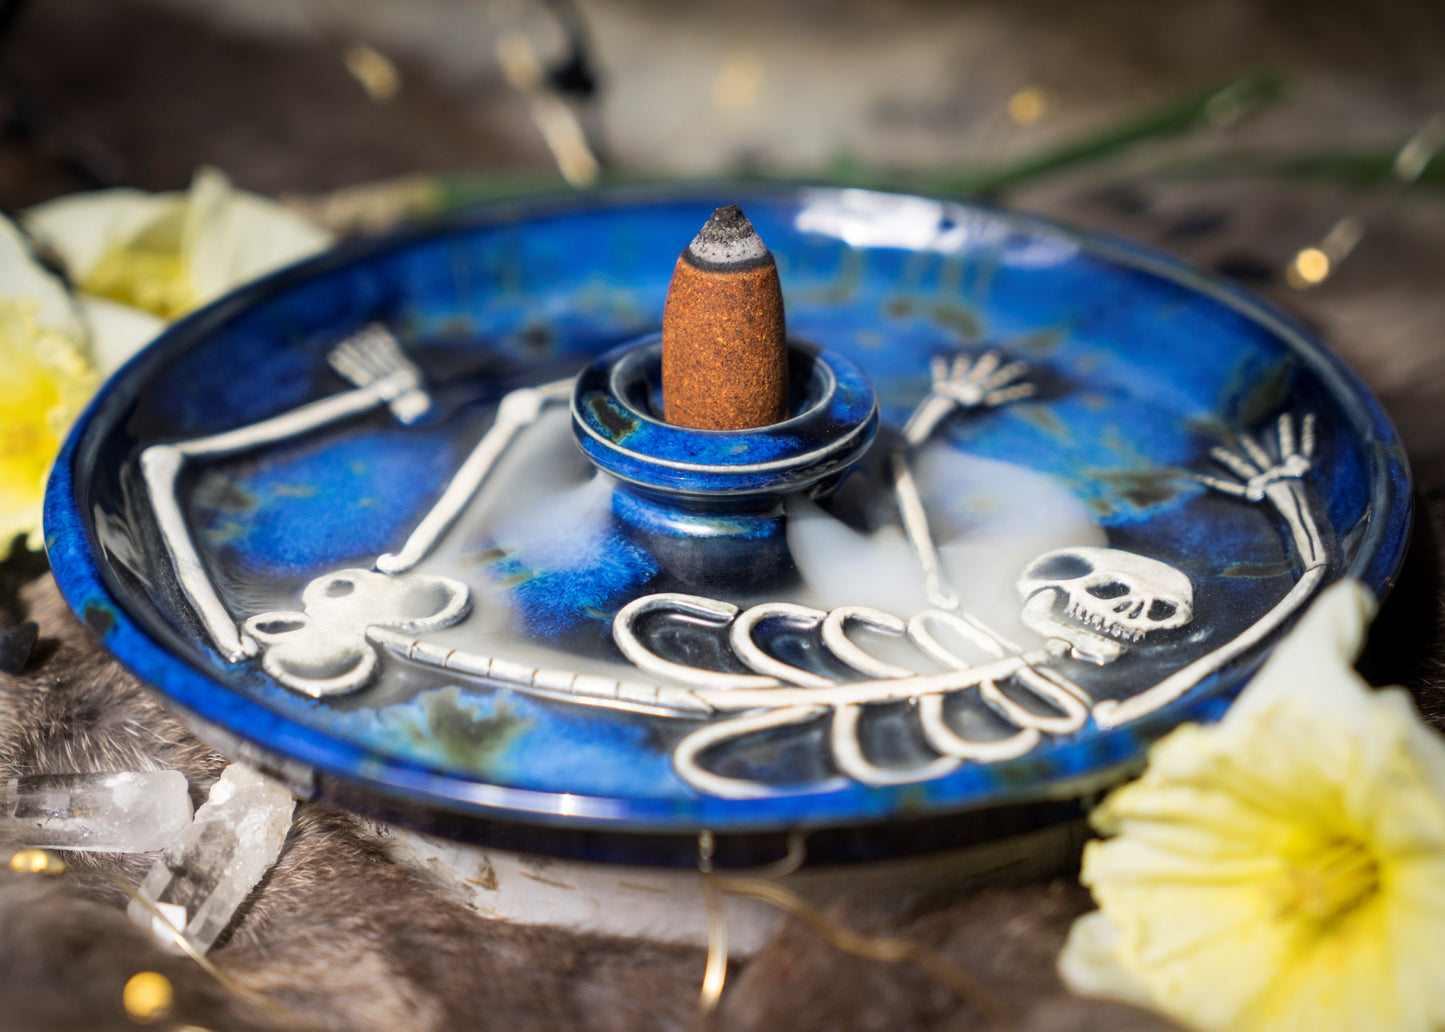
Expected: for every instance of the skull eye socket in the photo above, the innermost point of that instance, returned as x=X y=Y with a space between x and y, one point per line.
x=1161 y=610
x=1113 y=589
x=1066 y=566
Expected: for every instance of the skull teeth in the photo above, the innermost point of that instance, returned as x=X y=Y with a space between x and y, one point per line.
x=1102 y=624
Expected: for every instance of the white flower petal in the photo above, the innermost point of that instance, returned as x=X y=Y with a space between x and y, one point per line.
x=1315 y=660
x=117 y=331
x=1089 y=964
x=168 y=253
x=22 y=276
x=235 y=237
x=1424 y=744
x=82 y=227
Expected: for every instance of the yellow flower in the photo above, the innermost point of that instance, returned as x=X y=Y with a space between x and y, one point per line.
x=1284 y=869
x=138 y=259
x=169 y=253
x=46 y=380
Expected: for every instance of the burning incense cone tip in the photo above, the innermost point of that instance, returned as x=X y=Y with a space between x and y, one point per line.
x=727 y=241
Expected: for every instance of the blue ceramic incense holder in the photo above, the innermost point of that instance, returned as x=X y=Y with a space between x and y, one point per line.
x=403 y=524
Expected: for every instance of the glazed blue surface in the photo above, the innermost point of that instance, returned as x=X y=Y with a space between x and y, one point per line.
x=1145 y=363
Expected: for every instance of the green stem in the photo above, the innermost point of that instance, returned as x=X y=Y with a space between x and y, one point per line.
x=1218 y=105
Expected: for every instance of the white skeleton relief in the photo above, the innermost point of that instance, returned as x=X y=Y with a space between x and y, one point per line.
x=960 y=384
x=960 y=526
x=946 y=608
x=1100 y=599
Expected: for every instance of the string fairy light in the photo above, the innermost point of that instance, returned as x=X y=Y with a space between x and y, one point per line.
x=715 y=972
x=178 y=936
x=373 y=71
x=888 y=949
x=761 y=884
x=1027 y=106
x=376 y=72
x=1312 y=265
x=148 y=995
x=739 y=83
x=147 y=991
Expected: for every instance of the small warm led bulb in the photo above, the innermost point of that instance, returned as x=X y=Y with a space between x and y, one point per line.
x=36 y=861
x=1309 y=268
x=147 y=997
x=1027 y=106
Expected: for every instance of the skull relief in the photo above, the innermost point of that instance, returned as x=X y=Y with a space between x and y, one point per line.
x=1098 y=599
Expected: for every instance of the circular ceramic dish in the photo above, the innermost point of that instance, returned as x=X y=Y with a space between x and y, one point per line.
x=342 y=521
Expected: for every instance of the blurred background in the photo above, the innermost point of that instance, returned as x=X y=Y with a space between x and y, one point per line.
x=1284 y=143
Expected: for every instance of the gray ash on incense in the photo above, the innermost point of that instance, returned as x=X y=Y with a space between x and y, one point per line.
x=727 y=242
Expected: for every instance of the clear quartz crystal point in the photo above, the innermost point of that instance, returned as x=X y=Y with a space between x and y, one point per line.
x=120 y=812
x=204 y=875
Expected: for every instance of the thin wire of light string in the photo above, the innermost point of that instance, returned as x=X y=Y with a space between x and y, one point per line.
x=761 y=884
x=43 y=862
x=1314 y=264
x=205 y=963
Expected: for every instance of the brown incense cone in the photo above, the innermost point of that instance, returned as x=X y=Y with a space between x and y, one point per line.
x=724 y=353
